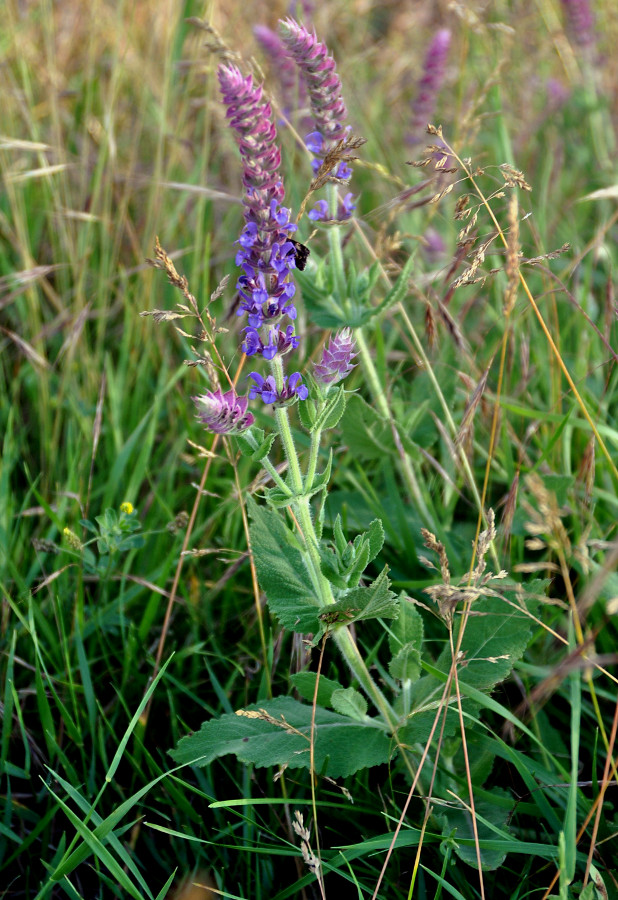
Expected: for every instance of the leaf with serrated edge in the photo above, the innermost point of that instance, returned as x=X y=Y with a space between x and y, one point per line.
x=349 y=702
x=342 y=745
x=373 y=602
x=406 y=665
x=282 y=573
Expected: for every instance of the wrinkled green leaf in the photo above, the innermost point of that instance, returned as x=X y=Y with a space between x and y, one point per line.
x=333 y=410
x=342 y=745
x=406 y=665
x=487 y=814
x=373 y=602
x=264 y=448
x=282 y=573
x=349 y=702
x=496 y=635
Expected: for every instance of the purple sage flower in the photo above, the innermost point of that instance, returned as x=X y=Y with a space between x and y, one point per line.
x=321 y=212
x=266 y=388
x=336 y=362
x=323 y=83
x=580 y=21
x=223 y=413
x=429 y=85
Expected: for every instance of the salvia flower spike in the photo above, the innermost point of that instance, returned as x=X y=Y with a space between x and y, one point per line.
x=293 y=90
x=429 y=85
x=580 y=20
x=336 y=362
x=223 y=413
x=266 y=254
x=326 y=100
x=323 y=83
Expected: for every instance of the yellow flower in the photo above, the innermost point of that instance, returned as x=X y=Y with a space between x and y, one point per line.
x=126 y=507
x=72 y=540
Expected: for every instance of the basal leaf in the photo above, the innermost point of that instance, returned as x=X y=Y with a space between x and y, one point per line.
x=277 y=733
x=496 y=635
x=282 y=573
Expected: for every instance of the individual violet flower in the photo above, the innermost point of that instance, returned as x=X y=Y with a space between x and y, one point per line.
x=321 y=212
x=223 y=413
x=278 y=342
x=266 y=388
x=336 y=362
x=429 y=85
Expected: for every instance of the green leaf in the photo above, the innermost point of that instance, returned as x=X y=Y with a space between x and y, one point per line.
x=496 y=635
x=487 y=814
x=333 y=410
x=349 y=702
x=282 y=572
x=277 y=733
x=304 y=682
x=407 y=628
x=264 y=448
x=366 y=431
x=308 y=413
x=244 y=445
x=406 y=665
x=375 y=535
x=373 y=602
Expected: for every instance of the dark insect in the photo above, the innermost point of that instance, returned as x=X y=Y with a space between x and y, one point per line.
x=301 y=253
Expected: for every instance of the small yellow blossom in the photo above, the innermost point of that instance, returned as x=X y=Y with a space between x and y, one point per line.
x=72 y=539
x=126 y=507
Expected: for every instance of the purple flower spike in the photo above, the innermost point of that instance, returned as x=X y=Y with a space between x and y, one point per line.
x=429 y=85
x=223 y=413
x=336 y=362
x=266 y=388
x=580 y=21
x=266 y=254
x=323 y=83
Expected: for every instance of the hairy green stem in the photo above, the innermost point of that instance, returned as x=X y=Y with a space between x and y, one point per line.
x=302 y=510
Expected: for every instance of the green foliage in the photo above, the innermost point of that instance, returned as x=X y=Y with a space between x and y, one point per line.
x=277 y=733
x=343 y=563
x=282 y=571
x=405 y=640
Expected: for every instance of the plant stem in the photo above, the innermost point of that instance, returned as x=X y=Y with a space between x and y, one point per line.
x=302 y=510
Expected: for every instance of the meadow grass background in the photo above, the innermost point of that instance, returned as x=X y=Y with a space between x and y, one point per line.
x=112 y=133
